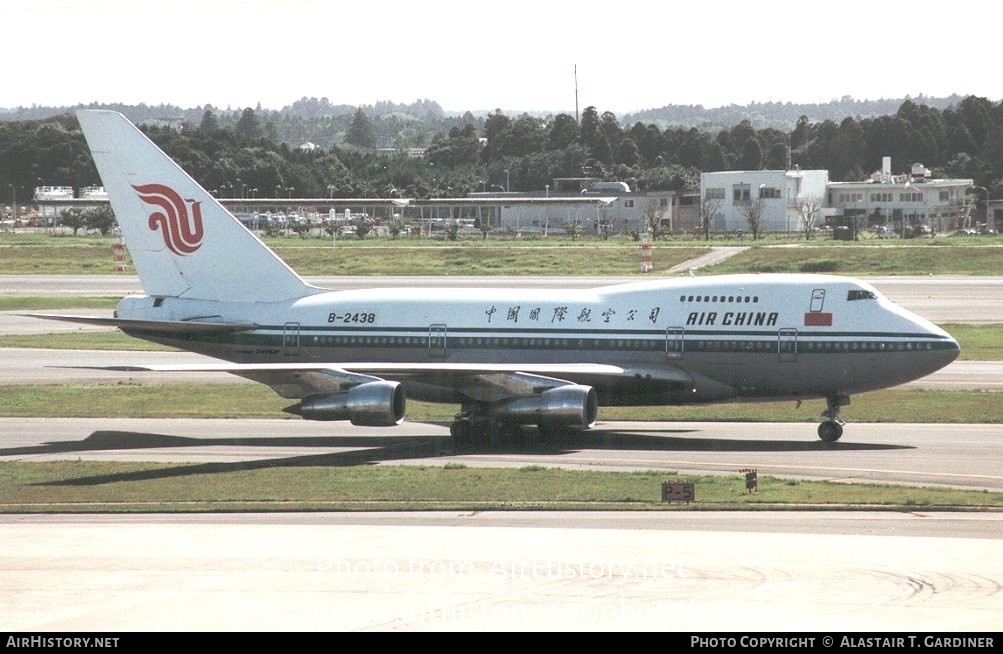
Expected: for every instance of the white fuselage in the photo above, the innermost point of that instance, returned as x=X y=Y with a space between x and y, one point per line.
x=685 y=340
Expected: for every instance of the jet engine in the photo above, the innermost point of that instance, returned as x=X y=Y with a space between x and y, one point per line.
x=373 y=404
x=571 y=405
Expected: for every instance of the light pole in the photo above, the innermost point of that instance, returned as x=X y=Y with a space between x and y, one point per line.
x=508 y=186
x=546 y=209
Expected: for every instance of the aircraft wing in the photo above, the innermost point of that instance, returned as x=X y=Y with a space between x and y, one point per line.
x=478 y=381
x=475 y=381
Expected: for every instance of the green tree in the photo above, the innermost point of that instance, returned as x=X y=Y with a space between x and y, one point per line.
x=610 y=129
x=73 y=218
x=716 y=160
x=101 y=219
x=249 y=127
x=626 y=153
x=588 y=129
x=563 y=132
x=363 y=227
x=360 y=134
x=776 y=156
x=650 y=142
x=694 y=148
x=209 y=122
x=461 y=147
x=494 y=128
x=752 y=155
x=524 y=136
x=573 y=229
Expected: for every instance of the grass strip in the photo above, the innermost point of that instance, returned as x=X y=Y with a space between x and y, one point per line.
x=323 y=483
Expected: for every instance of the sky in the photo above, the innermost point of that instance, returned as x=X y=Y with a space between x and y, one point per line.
x=514 y=55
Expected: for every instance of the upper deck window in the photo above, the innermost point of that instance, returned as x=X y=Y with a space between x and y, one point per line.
x=858 y=294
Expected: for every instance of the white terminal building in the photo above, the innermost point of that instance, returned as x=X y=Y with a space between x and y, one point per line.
x=909 y=204
x=913 y=203
x=781 y=198
x=43 y=193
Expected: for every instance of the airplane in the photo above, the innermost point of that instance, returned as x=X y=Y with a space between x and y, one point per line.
x=510 y=358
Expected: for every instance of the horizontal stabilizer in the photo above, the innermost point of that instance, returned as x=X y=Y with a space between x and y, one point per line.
x=159 y=326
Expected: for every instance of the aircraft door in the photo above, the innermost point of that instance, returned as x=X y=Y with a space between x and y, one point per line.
x=817 y=300
x=437 y=341
x=291 y=339
x=674 y=343
x=787 y=345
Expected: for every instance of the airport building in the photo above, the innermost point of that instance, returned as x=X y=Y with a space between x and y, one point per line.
x=913 y=204
x=624 y=210
x=46 y=193
x=778 y=199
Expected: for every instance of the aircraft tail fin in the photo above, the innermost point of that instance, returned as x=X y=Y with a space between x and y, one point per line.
x=182 y=241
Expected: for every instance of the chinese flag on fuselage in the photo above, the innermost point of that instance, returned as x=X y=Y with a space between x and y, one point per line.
x=818 y=319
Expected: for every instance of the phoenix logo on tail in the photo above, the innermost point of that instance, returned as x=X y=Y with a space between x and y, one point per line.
x=182 y=234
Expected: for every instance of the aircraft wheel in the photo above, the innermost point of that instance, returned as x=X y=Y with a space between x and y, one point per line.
x=462 y=432
x=830 y=431
x=550 y=432
x=509 y=432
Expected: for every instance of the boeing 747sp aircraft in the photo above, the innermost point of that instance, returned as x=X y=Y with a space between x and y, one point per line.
x=509 y=358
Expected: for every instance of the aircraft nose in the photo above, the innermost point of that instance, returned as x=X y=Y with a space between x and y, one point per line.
x=945 y=348
x=953 y=349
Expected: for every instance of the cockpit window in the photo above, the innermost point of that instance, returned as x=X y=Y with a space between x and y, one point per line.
x=858 y=294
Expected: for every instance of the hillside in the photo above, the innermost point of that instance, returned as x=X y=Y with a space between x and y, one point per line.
x=415 y=125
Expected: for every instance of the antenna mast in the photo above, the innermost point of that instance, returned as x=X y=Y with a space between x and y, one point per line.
x=576 y=94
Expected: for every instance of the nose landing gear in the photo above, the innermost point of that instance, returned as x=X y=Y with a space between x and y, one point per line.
x=832 y=428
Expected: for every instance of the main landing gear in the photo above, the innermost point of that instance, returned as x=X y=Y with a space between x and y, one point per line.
x=469 y=429
x=832 y=428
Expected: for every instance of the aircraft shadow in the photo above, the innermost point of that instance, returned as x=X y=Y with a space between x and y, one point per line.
x=631 y=440
x=372 y=451
x=380 y=448
x=130 y=440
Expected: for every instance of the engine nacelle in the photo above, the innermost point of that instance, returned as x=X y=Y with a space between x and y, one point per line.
x=565 y=405
x=374 y=404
